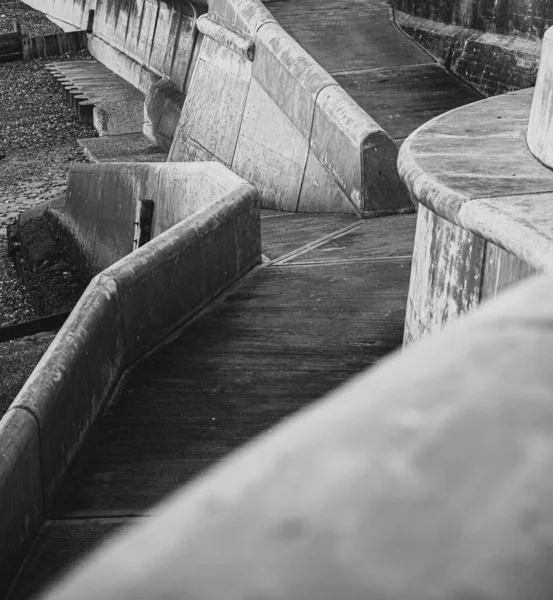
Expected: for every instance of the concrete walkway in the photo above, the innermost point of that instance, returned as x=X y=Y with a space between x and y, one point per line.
x=329 y=304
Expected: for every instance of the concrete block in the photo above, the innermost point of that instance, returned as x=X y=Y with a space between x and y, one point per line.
x=320 y=192
x=290 y=76
x=271 y=153
x=358 y=154
x=72 y=381
x=20 y=491
x=214 y=106
x=245 y=16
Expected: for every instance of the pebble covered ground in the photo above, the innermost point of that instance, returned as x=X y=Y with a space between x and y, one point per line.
x=32 y=21
x=38 y=135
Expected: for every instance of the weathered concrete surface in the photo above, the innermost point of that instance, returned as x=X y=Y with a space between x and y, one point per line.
x=426 y=477
x=225 y=36
x=524 y=18
x=74 y=378
x=155 y=36
x=21 y=506
x=263 y=119
x=540 y=128
x=101 y=202
x=70 y=15
x=487 y=205
x=493 y=186
x=491 y=62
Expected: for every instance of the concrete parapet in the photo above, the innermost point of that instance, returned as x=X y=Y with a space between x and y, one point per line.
x=72 y=13
x=424 y=477
x=283 y=123
x=126 y=311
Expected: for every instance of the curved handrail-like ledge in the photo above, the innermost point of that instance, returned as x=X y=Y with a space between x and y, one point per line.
x=426 y=477
x=471 y=166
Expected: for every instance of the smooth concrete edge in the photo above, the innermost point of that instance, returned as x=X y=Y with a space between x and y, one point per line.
x=476 y=215
x=21 y=499
x=424 y=477
x=223 y=35
x=78 y=363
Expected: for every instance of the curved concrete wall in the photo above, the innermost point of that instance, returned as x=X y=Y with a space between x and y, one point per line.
x=526 y=18
x=283 y=123
x=126 y=310
x=427 y=477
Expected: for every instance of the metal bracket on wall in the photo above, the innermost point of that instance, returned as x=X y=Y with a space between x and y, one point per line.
x=143 y=223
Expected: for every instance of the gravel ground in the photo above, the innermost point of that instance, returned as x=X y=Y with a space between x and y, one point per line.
x=38 y=134
x=32 y=21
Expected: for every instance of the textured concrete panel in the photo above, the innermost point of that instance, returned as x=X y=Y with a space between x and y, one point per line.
x=271 y=153
x=214 y=106
x=289 y=75
x=446 y=275
x=320 y=192
x=246 y=16
x=357 y=152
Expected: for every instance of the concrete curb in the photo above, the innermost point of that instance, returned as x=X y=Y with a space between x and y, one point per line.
x=123 y=314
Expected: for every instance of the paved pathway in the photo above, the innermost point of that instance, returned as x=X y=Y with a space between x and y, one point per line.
x=330 y=304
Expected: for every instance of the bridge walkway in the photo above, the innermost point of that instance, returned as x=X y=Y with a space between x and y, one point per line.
x=328 y=302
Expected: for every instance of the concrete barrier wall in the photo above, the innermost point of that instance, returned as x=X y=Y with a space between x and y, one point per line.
x=102 y=199
x=126 y=310
x=142 y=40
x=425 y=477
x=282 y=122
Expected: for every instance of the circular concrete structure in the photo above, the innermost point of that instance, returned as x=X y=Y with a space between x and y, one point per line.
x=540 y=126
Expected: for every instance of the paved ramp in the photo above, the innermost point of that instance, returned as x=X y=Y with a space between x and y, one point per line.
x=328 y=302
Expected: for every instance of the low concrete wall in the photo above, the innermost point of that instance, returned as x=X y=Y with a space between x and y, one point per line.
x=55 y=44
x=127 y=310
x=490 y=62
x=102 y=198
x=426 y=477
x=282 y=122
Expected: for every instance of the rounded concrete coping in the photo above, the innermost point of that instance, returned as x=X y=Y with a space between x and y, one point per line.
x=472 y=167
x=425 y=477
